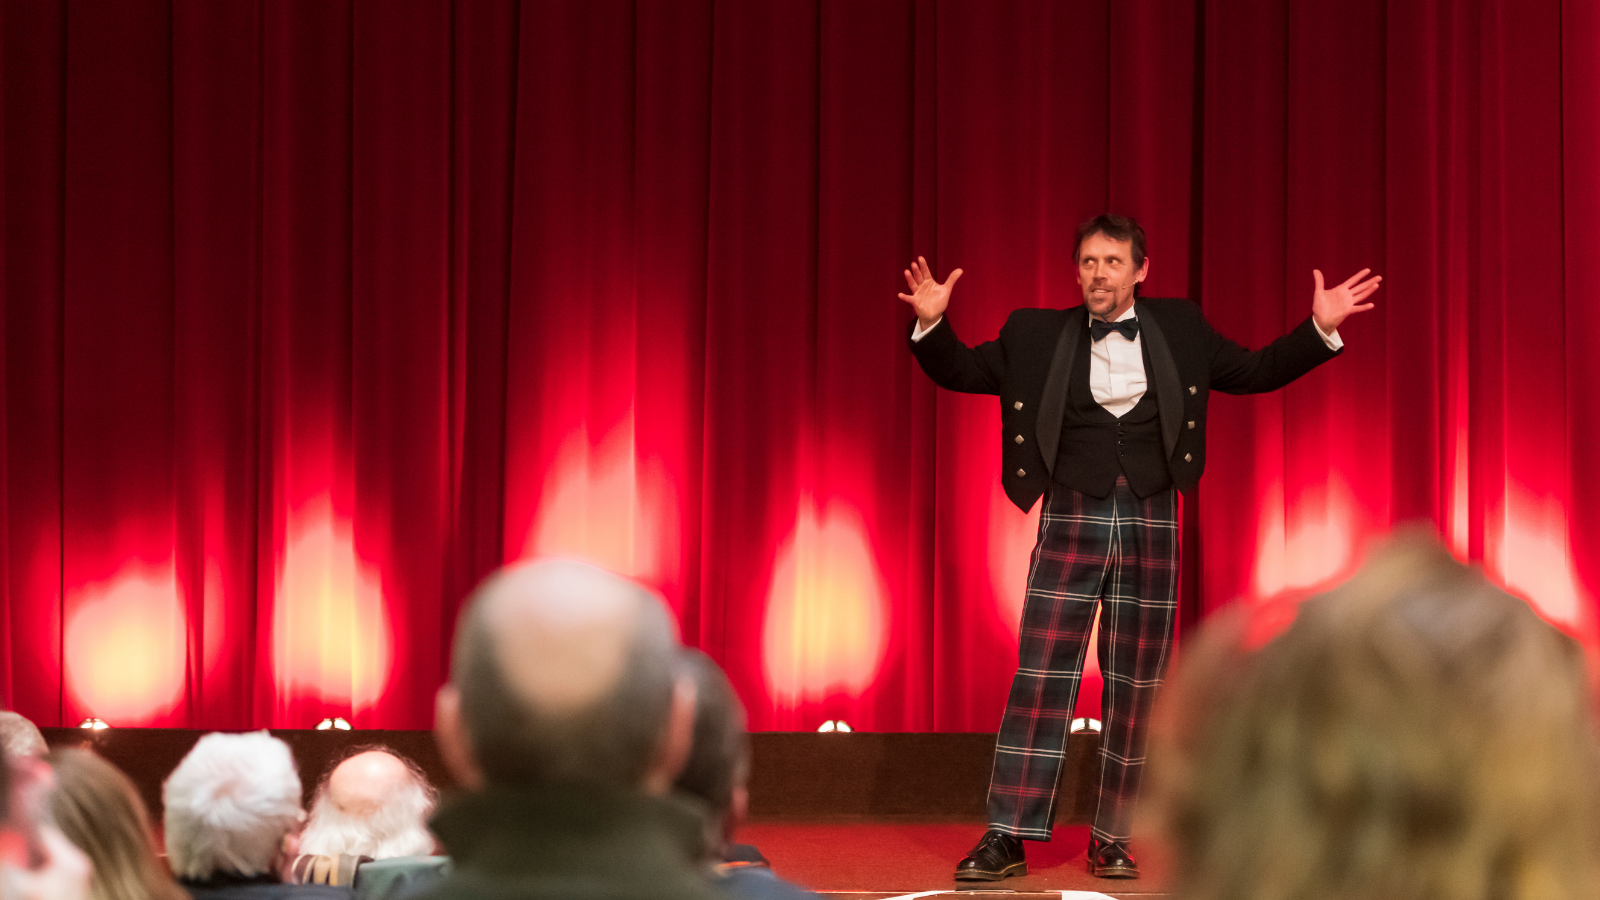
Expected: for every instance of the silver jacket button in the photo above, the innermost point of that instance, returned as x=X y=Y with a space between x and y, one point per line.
x=1019 y=439
x=1191 y=424
x=1191 y=389
x=1022 y=473
x=1017 y=405
x=1188 y=457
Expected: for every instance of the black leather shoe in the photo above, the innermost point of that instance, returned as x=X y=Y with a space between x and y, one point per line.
x=997 y=856
x=1110 y=859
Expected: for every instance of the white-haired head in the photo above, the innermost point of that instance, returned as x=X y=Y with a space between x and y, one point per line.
x=229 y=805
x=372 y=804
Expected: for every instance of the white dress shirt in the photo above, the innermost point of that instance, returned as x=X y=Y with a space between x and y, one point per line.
x=1116 y=364
x=1116 y=369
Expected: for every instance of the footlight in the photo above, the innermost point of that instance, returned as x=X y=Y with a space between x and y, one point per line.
x=335 y=724
x=838 y=725
x=93 y=724
x=1081 y=725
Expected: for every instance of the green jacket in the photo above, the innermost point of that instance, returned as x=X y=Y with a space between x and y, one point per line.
x=586 y=843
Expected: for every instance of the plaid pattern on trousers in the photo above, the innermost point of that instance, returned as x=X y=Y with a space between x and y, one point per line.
x=1121 y=553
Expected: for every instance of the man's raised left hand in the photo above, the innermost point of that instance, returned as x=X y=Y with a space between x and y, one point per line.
x=1330 y=306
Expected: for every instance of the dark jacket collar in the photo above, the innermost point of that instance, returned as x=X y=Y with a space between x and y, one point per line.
x=572 y=830
x=1053 y=400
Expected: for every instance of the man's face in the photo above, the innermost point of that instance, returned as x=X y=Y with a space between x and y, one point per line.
x=1105 y=269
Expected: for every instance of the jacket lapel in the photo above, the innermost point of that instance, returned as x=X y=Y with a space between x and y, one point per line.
x=1053 y=401
x=1164 y=374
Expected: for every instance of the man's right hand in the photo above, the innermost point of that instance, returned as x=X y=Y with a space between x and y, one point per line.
x=928 y=297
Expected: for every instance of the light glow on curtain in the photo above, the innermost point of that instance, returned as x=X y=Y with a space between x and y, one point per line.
x=1534 y=559
x=332 y=639
x=603 y=504
x=125 y=646
x=827 y=618
x=1306 y=542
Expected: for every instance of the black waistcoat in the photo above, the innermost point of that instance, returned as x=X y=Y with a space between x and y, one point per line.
x=1096 y=446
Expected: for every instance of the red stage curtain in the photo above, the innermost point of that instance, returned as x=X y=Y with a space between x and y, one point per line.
x=316 y=312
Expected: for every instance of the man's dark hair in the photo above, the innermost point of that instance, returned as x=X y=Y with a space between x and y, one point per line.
x=721 y=749
x=612 y=741
x=1115 y=227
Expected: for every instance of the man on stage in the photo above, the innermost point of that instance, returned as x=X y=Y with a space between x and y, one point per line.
x=1103 y=408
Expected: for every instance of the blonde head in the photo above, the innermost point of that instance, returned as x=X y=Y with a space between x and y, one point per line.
x=1415 y=734
x=99 y=810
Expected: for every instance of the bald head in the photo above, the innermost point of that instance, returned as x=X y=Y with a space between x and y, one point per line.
x=561 y=631
x=565 y=673
x=361 y=783
x=373 y=804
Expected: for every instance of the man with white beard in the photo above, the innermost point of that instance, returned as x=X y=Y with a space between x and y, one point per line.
x=373 y=806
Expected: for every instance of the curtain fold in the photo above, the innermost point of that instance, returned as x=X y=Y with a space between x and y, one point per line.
x=314 y=313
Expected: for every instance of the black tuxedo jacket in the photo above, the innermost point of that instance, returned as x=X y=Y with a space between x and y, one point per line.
x=1031 y=361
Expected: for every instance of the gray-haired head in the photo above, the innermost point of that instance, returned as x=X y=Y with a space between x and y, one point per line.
x=374 y=803
x=229 y=805
x=565 y=674
x=19 y=736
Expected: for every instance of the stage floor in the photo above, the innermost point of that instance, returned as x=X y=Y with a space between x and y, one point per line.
x=873 y=859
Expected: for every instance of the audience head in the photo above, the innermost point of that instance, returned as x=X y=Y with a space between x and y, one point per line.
x=229 y=806
x=19 y=736
x=99 y=810
x=37 y=862
x=563 y=673
x=1416 y=734
x=376 y=804
x=718 y=769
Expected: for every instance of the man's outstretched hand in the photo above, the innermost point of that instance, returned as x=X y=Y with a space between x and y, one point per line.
x=1330 y=306
x=929 y=297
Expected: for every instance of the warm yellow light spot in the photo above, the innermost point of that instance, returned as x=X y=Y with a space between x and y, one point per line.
x=826 y=627
x=1308 y=545
x=1012 y=536
x=331 y=635
x=1534 y=558
x=601 y=504
x=125 y=646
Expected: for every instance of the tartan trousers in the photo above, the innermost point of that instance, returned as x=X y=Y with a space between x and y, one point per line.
x=1120 y=553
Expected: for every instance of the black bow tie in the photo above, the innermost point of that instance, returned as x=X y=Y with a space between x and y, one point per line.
x=1129 y=328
